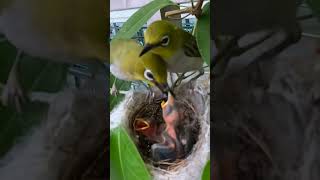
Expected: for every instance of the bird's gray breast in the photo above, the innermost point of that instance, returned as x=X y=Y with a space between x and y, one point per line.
x=180 y=63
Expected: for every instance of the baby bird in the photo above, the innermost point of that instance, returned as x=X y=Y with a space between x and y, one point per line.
x=170 y=148
x=149 y=128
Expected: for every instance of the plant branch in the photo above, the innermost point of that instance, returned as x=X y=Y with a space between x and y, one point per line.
x=197 y=11
x=43 y=97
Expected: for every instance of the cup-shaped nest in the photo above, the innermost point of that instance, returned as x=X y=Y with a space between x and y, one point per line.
x=142 y=117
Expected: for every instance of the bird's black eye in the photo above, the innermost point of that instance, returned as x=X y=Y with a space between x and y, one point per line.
x=165 y=41
x=148 y=75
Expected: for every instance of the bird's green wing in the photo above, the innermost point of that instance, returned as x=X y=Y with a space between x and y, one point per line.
x=190 y=47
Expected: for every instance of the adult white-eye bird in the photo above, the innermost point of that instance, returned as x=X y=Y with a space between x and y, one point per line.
x=126 y=64
x=177 y=47
x=71 y=31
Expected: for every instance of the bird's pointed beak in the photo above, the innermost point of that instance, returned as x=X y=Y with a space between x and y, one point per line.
x=170 y=101
x=147 y=47
x=165 y=89
x=140 y=124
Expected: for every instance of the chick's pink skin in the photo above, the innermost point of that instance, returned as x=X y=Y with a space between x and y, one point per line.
x=170 y=122
x=170 y=147
x=171 y=117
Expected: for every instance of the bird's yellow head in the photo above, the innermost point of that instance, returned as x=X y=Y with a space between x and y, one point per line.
x=150 y=68
x=155 y=72
x=161 y=38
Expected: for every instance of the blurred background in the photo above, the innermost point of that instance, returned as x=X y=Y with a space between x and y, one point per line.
x=120 y=11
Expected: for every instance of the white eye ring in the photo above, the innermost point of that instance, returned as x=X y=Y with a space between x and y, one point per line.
x=148 y=75
x=165 y=40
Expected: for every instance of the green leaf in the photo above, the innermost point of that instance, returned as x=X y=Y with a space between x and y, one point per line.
x=14 y=125
x=202 y=33
x=7 y=55
x=206 y=172
x=35 y=75
x=139 y=18
x=42 y=75
x=120 y=85
x=315 y=6
x=125 y=160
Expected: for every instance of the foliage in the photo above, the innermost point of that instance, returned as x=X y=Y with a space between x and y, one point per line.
x=315 y=6
x=35 y=74
x=206 y=172
x=125 y=161
x=138 y=19
x=120 y=85
x=202 y=33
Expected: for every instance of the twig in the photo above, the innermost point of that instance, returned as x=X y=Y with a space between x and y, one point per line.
x=304 y=17
x=178 y=11
x=311 y=35
x=263 y=146
x=196 y=11
x=43 y=97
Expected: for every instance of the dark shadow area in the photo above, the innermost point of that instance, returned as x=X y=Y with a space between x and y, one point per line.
x=54 y=82
x=265 y=101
